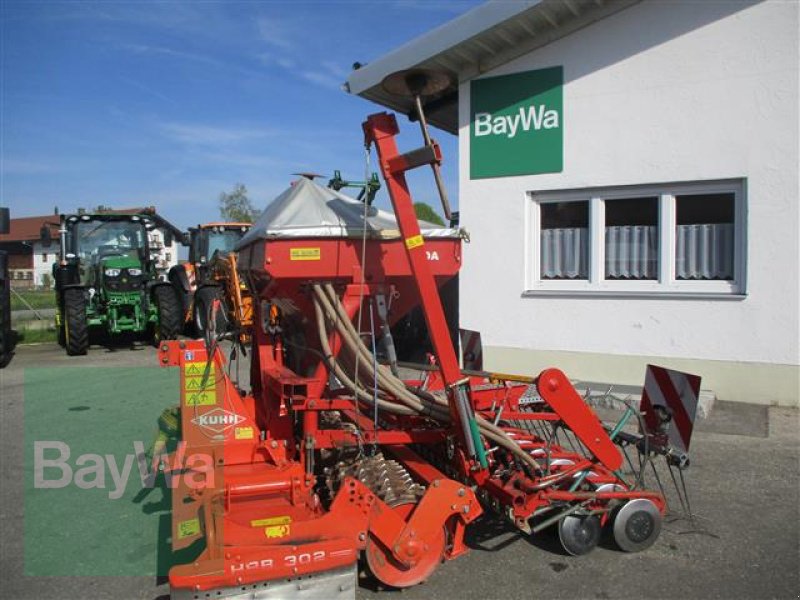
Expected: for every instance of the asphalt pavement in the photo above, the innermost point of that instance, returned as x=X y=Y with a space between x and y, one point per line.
x=744 y=487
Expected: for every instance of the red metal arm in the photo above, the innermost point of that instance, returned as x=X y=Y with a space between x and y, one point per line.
x=380 y=129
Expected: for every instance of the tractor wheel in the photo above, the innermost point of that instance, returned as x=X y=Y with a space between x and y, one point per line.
x=76 y=330
x=203 y=303
x=61 y=335
x=170 y=320
x=6 y=343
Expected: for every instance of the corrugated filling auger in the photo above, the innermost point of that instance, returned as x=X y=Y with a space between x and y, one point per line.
x=333 y=454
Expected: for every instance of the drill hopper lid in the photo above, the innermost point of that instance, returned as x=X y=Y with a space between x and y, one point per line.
x=309 y=210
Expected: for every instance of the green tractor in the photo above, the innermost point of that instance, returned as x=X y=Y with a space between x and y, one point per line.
x=106 y=282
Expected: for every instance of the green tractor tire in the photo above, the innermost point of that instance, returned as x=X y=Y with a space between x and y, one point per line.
x=170 y=314
x=76 y=329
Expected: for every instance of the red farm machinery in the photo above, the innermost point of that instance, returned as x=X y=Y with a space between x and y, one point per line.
x=333 y=454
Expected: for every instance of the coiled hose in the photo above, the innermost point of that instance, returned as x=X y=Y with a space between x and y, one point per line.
x=327 y=304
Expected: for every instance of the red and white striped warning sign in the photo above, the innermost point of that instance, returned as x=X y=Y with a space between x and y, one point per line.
x=471 y=349
x=669 y=404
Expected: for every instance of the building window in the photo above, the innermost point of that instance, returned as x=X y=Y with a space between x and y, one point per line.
x=661 y=239
x=631 y=238
x=44 y=256
x=565 y=240
x=705 y=236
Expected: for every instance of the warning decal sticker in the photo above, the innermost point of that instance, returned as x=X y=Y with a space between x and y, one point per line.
x=197 y=392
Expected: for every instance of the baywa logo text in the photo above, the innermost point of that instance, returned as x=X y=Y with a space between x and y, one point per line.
x=89 y=471
x=534 y=117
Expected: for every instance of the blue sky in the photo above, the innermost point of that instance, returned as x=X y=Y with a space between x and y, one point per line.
x=171 y=103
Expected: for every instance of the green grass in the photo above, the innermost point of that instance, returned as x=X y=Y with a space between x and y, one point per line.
x=36 y=298
x=82 y=530
x=36 y=336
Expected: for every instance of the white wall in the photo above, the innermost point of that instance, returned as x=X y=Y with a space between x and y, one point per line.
x=42 y=267
x=165 y=256
x=661 y=92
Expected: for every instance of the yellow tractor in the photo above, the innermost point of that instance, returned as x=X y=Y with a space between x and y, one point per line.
x=209 y=287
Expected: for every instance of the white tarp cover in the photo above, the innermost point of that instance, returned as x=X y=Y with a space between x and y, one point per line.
x=307 y=209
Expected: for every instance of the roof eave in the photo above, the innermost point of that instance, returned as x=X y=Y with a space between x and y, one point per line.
x=479 y=41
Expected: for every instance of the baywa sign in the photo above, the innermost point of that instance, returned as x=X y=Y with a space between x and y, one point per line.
x=517 y=124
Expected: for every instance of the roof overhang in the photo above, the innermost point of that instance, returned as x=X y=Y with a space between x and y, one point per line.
x=474 y=43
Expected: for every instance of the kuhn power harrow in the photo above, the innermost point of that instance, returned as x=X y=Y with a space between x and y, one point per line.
x=333 y=455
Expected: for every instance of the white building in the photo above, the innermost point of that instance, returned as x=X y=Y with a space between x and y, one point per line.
x=44 y=255
x=629 y=177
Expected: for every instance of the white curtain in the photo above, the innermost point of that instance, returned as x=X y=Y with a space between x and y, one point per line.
x=565 y=253
x=632 y=252
x=705 y=251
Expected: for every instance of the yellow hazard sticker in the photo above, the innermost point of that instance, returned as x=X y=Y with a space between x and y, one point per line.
x=414 y=242
x=270 y=521
x=198 y=369
x=188 y=528
x=195 y=384
x=196 y=391
x=305 y=254
x=274 y=527
x=243 y=433
x=277 y=531
x=208 y=398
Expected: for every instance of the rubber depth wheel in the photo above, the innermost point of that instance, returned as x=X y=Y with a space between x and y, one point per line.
x=76 y=330
x=169 y=322
x=203 y=301
x=579 y=534
x=637 y=525
x=393 y=574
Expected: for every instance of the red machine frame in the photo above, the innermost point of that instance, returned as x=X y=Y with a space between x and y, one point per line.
x=244 y=475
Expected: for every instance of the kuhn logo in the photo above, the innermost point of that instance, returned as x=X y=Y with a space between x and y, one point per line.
x=217 y=420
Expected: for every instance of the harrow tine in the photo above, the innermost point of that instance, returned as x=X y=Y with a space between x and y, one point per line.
x=660 y=485
x=686 y=495
x=686 y=512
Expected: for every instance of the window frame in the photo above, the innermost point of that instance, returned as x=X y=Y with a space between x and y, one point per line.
x=666 y=284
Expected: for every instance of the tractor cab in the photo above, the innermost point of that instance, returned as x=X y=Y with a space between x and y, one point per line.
x=214 y=238
x=111 y=252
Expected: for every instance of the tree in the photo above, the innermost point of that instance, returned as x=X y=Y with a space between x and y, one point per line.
x=426 y=213
x=235 y=206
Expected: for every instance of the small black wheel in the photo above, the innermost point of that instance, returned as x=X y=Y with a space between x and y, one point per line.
x=76 y=329
x=170 y=316
x=203 y=302
x=579 y=534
